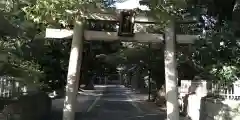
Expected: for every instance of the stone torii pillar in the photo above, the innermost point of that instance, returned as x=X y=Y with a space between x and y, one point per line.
x=171 y=72
x=73 y=71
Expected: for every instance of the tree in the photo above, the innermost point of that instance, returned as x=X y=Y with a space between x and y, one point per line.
x=216 y=19
x=12 y=45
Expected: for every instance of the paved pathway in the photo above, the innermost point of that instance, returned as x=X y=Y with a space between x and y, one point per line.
x=111 y=102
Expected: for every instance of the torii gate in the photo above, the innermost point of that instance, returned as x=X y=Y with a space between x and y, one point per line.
x=78 y=34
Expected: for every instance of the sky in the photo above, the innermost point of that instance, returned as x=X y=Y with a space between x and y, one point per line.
x=129 y=4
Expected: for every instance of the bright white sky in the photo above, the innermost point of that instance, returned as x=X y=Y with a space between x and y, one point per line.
x=130 y=4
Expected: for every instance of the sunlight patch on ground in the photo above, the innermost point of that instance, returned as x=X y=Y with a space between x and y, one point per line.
x=92 y=94
x=119 y=100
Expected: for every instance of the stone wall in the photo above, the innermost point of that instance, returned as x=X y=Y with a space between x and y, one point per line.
x=200 y=107
x=33 y=106
x=212 y=109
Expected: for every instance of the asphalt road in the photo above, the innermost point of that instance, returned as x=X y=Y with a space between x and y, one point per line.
x=110 y=102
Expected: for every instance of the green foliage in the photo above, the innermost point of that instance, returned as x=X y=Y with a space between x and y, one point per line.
x=32 y=57
x=227 y=74
x=38 y=59
x=15 y=65
x=63 y=12
x=218 y=52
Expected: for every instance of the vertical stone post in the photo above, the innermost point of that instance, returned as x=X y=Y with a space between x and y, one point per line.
x=105 y=80
x=73 y=71
x=120 y=77
x=171 y=73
